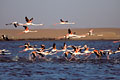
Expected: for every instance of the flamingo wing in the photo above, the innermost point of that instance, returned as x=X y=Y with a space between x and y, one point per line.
x=31 y=19
x=27 y=20
x=74 y=48
x=61 y=20
x=54 y=45
x=26 y=28
x=69 y=31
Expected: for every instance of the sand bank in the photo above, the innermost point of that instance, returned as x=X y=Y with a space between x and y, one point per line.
x=53 y=34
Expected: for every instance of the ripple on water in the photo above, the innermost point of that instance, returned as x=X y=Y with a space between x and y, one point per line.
x=58 y=69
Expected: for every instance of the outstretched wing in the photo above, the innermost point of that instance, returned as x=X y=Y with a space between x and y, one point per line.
x=61 y=20
x=69 y=31
x=64 y=44
x=27 y=20
x=26 y=28
x=66 y=21
x=31 y=19
x=43 y=46
x=15 y=25
x=74 y=48
x=54 y=45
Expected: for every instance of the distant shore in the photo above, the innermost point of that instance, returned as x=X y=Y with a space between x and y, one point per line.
x=53 y=34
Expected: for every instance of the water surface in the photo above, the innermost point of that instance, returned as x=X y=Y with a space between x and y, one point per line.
x=58 y=69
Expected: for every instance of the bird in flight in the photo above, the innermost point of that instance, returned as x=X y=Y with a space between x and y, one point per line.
x=13 y=23
x=26 y=30
x=64 y=22
x=73 y=35
x=28 y=22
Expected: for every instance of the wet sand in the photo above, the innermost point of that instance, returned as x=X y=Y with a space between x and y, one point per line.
x=53 y=34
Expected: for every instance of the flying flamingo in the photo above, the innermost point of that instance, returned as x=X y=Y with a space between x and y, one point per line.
x=26 y=30
x=28 y=22
x=64 y=22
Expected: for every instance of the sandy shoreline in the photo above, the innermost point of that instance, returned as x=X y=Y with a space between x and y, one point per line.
x=53 y=34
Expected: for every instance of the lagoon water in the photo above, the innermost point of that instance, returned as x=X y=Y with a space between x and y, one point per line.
x=16 y=66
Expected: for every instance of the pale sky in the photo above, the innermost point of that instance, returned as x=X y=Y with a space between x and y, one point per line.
x=85 y=13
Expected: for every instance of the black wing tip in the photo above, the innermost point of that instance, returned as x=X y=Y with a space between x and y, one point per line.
x=54 y=45
x=26 y=18
x=31 y=19
x=69 y=30
x=15 y=25
x=25 y=26
x=61 y=20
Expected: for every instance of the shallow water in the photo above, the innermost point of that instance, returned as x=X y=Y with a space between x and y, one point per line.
x=58 y=69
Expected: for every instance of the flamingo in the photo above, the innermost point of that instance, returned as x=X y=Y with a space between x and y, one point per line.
x=13 y=23
x=72 y=35
x=28 y=22
x=26 y=30
x=64 y=22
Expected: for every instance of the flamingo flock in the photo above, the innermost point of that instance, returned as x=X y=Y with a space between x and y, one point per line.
x=67 y=36
x=69 y=52
x=28 y=23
